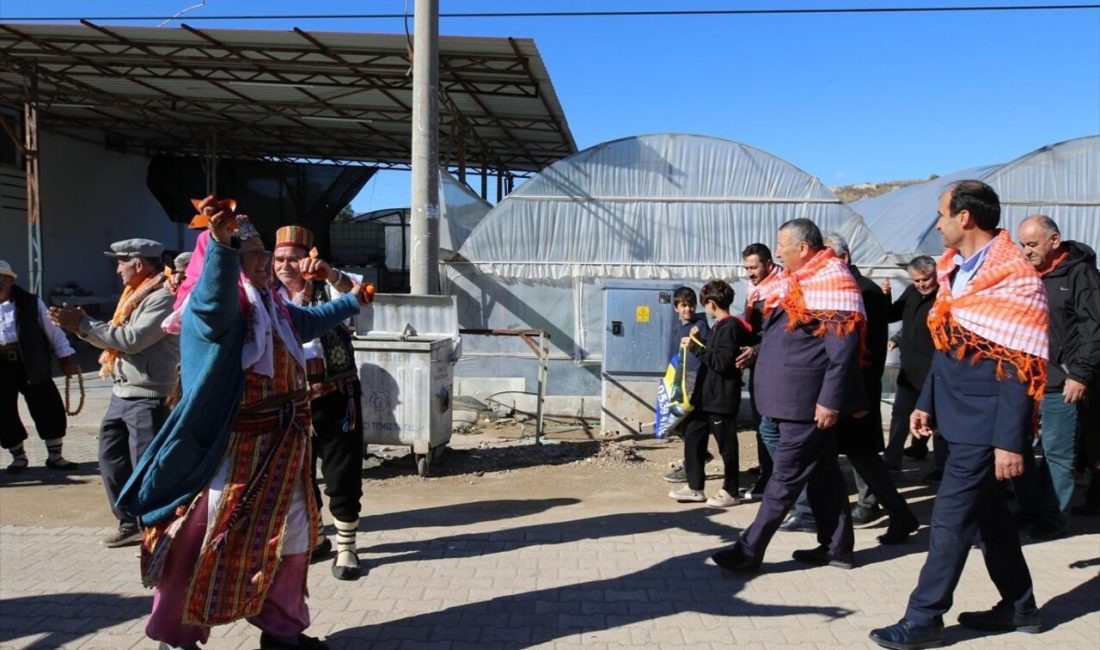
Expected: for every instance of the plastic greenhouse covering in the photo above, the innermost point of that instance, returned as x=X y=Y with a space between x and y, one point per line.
x=673 y=208
x=654 y=206
x=1060 y=180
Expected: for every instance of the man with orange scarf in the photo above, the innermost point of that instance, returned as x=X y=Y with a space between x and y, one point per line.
x=139 y=359
x=807 y=375
x=989 y=326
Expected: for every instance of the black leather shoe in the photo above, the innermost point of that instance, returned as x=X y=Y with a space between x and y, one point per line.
x=861 y=516
x=820 y=556
x=796 y=523
x=1002 y=618
x=268 y=642
x=899 y=530
x=906 y=635
x=732 y=559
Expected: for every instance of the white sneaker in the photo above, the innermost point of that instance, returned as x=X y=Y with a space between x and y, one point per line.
x=687 y=494
x=723 y=499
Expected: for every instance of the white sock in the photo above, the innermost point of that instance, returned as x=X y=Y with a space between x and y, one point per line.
x=53 y=448
x=346 y=555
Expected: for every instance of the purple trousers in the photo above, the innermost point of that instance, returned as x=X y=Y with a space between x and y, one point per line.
x=284 y=614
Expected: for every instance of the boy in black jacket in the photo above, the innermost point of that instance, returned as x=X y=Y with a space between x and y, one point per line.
x=716 y=398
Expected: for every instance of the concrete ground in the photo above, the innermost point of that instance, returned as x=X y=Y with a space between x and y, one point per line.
x=563 y=556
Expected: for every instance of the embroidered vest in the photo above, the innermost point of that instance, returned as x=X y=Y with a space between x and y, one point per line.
x=339 y=359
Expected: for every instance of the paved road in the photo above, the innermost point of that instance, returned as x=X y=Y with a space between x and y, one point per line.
x=544 y=572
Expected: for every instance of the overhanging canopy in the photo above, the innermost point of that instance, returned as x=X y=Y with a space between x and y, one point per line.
x=304 y=96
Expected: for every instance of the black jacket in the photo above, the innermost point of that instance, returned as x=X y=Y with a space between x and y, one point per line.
x=1073 y=297
x=718 y=385
x=863 y=436
x=916 y=348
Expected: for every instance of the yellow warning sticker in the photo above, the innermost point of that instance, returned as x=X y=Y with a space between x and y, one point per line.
x=641 y=313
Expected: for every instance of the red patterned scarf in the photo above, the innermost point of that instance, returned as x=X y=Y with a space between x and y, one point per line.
x=1001 y=314
x=823 y=292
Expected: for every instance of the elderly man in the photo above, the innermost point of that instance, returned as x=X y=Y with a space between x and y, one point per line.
x=333 y=389
x=914 y=343
x=139 y=358
x=28 y=341
x=807 y=378
x=989 y=325
x=1068 y=270
x=224 y=490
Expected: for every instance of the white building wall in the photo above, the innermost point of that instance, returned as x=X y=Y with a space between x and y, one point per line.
x=90 y=198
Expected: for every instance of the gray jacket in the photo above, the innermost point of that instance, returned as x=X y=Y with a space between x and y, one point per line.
x=149 y=356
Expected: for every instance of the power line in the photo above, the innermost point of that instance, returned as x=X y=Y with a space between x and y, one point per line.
x=590 y=14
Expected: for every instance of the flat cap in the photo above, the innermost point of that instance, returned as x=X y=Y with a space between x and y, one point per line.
x=136 y=247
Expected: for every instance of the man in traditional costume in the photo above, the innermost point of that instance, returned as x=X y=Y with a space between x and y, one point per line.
x=807 y=377
x=139 y=359
x=28 y=341
x=224 y=490
x=989 y=326
x=334 y=389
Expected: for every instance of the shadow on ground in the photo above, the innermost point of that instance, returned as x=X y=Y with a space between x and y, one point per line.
x=65 y=618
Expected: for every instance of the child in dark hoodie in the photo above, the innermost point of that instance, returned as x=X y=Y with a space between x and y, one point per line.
x=716 y=398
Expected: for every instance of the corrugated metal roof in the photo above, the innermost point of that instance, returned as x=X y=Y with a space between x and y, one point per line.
x=287 y=94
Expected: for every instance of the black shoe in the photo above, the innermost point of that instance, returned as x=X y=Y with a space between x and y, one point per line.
x=905 y=635
x=1044 y=531
x=732 y=559
x=165 y=646
x=933 y=477
x=912 y=451
x=797 y=523
x=861 y=516
x=268 y=642
x=1002 y=618
x=899 y=530
x=322 y=551
x=820 y=556
x=61 y=464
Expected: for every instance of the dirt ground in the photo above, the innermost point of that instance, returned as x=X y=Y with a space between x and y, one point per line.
x=486 y=461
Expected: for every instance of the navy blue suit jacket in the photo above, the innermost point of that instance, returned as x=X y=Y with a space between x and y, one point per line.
x=796 y=370
x=971 y=406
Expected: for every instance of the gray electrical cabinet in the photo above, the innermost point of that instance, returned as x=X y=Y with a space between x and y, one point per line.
x=638 y=322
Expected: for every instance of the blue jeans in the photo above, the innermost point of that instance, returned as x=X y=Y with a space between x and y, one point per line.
x=1047 y=490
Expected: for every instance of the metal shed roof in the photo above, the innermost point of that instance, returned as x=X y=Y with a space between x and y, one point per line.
x=314 y=96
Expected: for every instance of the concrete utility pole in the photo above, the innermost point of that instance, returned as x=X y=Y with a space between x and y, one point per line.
x=424 y=226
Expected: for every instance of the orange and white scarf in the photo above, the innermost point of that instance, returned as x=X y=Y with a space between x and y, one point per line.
x=129 y=300
x=823 y=291
x=1001 y=314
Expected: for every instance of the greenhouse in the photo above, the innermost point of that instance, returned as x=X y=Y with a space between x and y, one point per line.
x=1058 y=180
x=655 y=210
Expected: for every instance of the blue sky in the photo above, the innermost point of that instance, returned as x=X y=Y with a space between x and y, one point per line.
x=847 y=98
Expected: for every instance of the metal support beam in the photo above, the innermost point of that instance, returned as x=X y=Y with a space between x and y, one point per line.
x=424 y=262
x=34 y=207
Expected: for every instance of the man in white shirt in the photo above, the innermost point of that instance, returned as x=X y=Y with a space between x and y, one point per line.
x=334 y=391
x=27 y=341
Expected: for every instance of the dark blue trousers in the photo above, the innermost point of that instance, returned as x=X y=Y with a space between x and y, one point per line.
x=970 y=501
x=804 y=455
